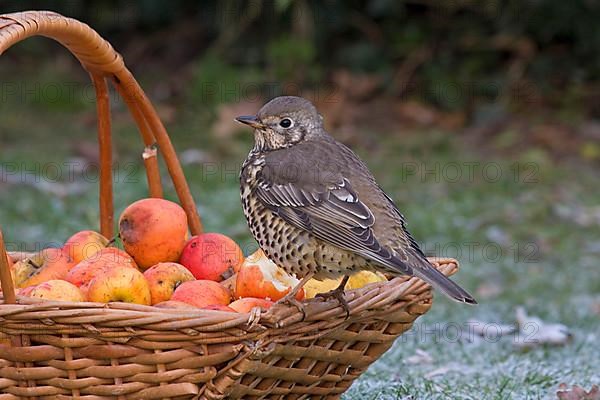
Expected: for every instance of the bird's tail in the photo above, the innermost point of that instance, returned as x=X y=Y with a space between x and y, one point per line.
x=431 y=275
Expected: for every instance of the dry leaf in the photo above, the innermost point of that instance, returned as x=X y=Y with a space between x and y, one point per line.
x=420 y=357
x=577 y=393
x=534 y=332
x=490 y=329
x=451 y=367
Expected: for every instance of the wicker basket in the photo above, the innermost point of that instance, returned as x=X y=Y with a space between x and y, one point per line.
x=63 y=350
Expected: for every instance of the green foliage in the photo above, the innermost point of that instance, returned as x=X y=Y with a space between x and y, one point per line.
x=286 y=53
x=554 y=45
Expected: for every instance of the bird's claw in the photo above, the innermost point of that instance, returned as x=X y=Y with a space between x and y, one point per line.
x=337 y=294
x=292 y=301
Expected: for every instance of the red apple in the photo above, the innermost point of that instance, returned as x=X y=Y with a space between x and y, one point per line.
x=202 y=293
x=53 y=264
x=83 y=272
x=153 y=230
x=212 y=256
x=246 y=304
x=84 y=244
x=174 y=304
x=218 y=307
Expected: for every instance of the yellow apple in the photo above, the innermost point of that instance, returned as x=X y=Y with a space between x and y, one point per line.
x=118 y=283
x=356 y=281
x=57 y=289
x=164 y=278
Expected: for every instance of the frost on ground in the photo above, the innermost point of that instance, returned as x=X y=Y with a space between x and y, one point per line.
x=475 y=368
x=531 y=244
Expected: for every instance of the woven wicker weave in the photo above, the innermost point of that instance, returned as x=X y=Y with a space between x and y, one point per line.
x=60 y=350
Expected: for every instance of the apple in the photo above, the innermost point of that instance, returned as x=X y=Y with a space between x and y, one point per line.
x=174 y=304
x=26 y=291
x=49 y=264
x=115 y=255
x=358 y=280
x=163 y=279
x=23 y=269
x=246 y=304
x=260 y=277
x=212 y=256
x=153 y=230
x=201 y=293
x=84 y=244
x=118 y=283
x=363 y=278
x=56 y=289
x=87 y=269
x=218 y=307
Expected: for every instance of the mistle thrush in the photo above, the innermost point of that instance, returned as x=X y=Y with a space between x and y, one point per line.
x=316 y=210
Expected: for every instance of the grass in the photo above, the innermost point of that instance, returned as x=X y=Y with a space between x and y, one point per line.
x=527 y=237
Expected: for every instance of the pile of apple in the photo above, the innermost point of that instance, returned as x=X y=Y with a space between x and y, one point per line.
x=160 y=266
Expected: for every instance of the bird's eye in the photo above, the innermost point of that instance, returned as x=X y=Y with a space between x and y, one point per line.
x=286 y=123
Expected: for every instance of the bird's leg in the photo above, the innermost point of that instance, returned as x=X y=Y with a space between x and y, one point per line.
x=290 y=298
x=338 y=294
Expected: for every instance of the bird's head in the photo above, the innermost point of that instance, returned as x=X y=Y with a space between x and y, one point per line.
x=283 y=122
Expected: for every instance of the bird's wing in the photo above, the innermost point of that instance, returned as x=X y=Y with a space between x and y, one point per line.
x=333 y=213
x=310 y=190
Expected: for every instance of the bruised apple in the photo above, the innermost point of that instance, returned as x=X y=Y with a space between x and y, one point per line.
x=48 y=264
x=84 y=244
x=164 y=278
x=212 y=256
x=105 y=258
x=260 y=277
x=23 y=269
x=153 y=230
x=201 y=293
x=118 y=283
x=246 y=304
x=56 y=289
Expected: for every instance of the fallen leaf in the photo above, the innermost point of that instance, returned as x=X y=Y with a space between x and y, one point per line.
x=490 y=329
x=534 y=332
x=451 y=367
x=577 y=393
x=420 y=357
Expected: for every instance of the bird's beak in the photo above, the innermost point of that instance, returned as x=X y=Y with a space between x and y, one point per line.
x=251 y=120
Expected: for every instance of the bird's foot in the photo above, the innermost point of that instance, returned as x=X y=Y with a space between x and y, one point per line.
x=337 y=294
x=290 y=298
x=292 y=301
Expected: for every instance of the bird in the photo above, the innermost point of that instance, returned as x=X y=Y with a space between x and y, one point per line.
x=316 y=210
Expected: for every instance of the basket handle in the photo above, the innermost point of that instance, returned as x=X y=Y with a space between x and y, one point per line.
x=101 y=61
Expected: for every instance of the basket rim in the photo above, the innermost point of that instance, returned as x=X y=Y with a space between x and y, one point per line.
x=401 y=291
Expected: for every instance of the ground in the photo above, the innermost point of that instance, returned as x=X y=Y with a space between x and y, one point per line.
x=524 y=227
